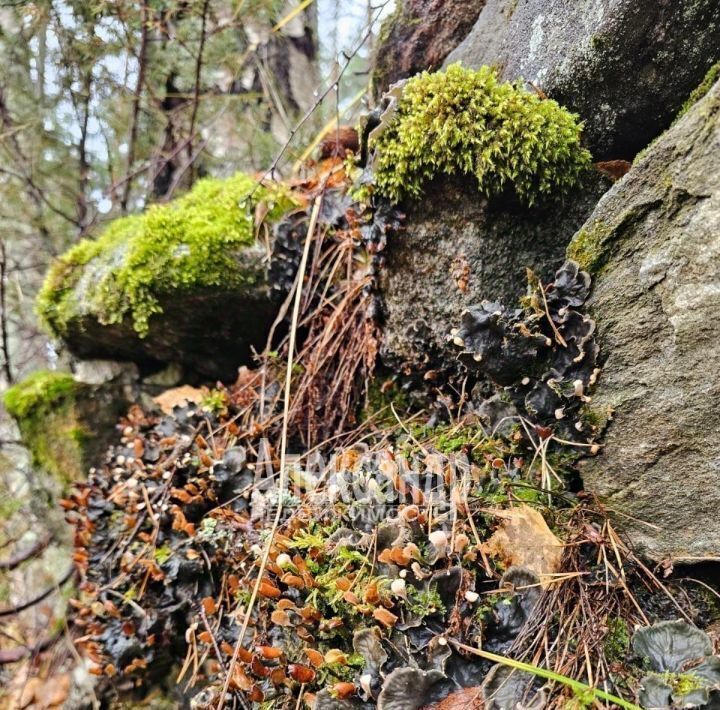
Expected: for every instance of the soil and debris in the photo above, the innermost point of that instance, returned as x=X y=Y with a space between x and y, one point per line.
x=433 y=546
x=414 y=550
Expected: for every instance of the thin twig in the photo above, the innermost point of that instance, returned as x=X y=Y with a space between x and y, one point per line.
x=283 y=451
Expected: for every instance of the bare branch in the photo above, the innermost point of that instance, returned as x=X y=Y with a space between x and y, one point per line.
x=12 y=610
x=32 y=551
x=7 y=368
x=142 y=61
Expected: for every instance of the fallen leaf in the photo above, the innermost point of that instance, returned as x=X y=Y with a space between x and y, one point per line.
x=178 y=397
x=525 y=540
x=468 y=698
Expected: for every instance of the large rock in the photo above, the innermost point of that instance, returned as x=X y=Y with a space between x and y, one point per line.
x=418 y=36
x=185 y=282
x=457 y=249
x=653 y=247
x=68 y=424
x=625 y=66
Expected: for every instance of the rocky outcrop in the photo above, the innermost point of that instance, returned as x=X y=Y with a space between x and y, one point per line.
x=653 y=247
x=624 y=66
x=457 y=249
x=185 y=282
x=418 y=36
x=66 y=423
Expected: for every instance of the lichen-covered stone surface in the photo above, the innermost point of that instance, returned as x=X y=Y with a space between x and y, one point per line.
x=418 y=36
x=65 y=423
x=457 y=249
x=625 y=66
x=653 y=245
x=184 y=282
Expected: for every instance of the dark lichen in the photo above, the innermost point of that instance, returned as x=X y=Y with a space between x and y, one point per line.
x=543 y=354
x=466 y=122
x=684 y=671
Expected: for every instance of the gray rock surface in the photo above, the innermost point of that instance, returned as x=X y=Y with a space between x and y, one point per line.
x=653 y=246
x=626 y=66
x=211 y=331
x=456 y=250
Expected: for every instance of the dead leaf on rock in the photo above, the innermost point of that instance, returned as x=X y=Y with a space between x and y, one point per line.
x=467 y=698
x=525 y=540
x=178 y=397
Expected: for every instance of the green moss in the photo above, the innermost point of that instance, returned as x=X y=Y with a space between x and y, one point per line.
x=465 y=122
x=682 y=684
x=187 y=245
x=617 y=640
x=713 y=74
x=424 y=602
x=595 y=419
x=586 y=246
x=43 y=406
x=39 y=392
x=380 y=400
x=163 y=554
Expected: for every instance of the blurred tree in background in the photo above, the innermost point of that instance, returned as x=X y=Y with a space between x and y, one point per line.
x=108 y=105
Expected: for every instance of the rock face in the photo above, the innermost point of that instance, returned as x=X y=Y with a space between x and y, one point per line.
x=625 y=66
x=653 y=246
x=67 y=424
x=418 y=36
x=211 y=331
x=184 y=282
x=456 y=250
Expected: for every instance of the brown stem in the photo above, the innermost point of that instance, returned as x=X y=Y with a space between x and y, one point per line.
x=142 y=60
x=12 y=610
x=7 y=369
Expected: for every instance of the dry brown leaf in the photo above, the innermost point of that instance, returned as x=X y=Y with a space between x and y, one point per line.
x=178 y=396
x=525 y=540
x=209 y=606
x=468 y=699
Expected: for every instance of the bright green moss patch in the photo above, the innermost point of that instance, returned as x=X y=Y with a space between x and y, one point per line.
x=190 y=244
x=44 y=407
x=586 y=247
x=40 y=391
x=713 y=74
x=465 y=122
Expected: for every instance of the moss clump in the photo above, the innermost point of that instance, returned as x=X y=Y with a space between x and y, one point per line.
x=617 y=640
x=186 y=245
x=586 y=247
x=713 y=74
x=40 y=391
x=465 y=122
x=43 y=406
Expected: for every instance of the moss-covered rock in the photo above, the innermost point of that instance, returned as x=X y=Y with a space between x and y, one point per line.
x=466 y=123
x=625 y=66
x=185 y=281
x=64 y=423
x=653 y=245
x=699 y=92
